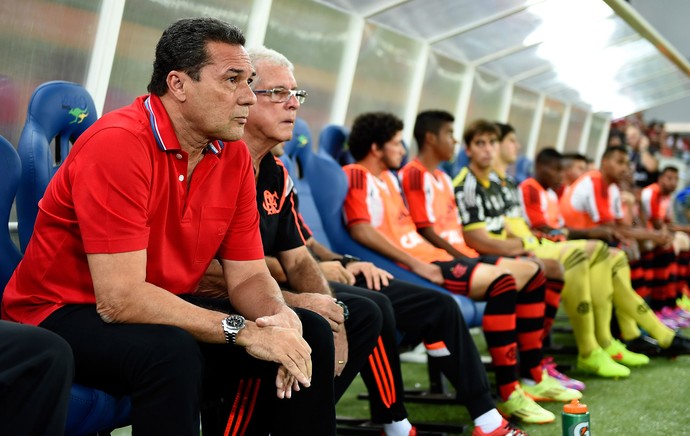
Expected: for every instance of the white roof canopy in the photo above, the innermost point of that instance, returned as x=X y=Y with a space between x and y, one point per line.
x=596 y=54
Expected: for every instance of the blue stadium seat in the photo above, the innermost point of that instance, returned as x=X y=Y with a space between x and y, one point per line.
x=524 y=168
x=452 y=168
x=58 y=113
x=295 y=151
x=681 y=205
x=333 y=140
x=10 y=173
x=327 y=189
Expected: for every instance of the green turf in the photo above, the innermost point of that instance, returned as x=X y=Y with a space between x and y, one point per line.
x=652 y=401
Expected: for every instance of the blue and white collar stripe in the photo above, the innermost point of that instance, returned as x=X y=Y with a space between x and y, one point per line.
x=215 y=149
x=154 y=124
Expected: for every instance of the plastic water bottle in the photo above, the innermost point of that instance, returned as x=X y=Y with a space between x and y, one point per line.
x=575 y=419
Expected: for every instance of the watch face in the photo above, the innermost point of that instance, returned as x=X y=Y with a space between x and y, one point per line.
x=235 y=321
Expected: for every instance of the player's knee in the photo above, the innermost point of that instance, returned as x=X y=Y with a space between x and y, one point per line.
x=553 y=269
x=681 y=241
x=502 y=285
x=594 y=246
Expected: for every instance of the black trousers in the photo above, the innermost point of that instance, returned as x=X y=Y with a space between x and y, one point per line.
x=170 y=376
x=36 y=369
x=432 y=317
x=362 y=327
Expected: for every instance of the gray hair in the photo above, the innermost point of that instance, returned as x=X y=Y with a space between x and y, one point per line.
x=269 y=56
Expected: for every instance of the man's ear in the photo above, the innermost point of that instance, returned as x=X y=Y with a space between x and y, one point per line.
x=176 y=81
x=375 y=149
x=430 y=138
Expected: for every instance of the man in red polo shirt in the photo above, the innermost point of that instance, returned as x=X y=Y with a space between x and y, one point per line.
x=148 y=196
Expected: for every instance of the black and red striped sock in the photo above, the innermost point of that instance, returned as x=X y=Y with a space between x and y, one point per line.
x=499 y=330
x=637 y=275
x=662 y=285
x=529 y=311
x=552 y=300
x=683 y=272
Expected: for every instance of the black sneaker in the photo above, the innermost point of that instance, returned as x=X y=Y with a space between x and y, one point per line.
x=644 y=344
x=680 y=345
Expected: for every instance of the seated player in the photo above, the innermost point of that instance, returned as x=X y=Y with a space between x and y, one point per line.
x=430 y=197
x=540 y=204
x=655 y=200
x=492 y=223
x=377 y=217
x=594 y=201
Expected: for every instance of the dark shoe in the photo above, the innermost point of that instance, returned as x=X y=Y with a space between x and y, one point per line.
x=680 y=345
x=644 y=344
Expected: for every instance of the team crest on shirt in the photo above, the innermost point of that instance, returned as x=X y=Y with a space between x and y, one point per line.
x=270 y=203
x=458 y=270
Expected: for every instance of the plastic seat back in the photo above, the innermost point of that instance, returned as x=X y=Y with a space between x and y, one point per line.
x=452 y=168
x=297 y=152
x=333 y=141
x=58 y=113
x=524 y=169
x=10 y=174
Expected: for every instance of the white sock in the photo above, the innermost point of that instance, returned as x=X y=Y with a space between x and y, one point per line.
x=489 y=421
x=528 y=381
x=398 y=428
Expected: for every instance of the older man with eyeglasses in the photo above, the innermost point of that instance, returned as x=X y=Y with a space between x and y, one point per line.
x=420 y=313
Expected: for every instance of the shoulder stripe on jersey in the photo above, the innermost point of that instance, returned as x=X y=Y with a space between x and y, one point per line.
x=288 y=184
x=356 y=178
x=532 y=194
x=416 y=183
x=469 y=190
x=295 y=214
x=304 y=224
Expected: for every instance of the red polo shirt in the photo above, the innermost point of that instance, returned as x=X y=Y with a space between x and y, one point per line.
x=123 y=188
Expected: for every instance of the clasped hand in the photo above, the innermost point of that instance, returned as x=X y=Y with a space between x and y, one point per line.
x=278 y=338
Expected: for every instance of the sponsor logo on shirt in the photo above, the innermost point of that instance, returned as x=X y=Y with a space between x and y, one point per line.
x=411 y=240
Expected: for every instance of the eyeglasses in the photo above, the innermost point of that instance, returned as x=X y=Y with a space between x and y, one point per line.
x=281 y=95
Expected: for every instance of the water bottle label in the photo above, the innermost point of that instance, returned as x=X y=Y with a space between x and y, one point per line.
x=579 y=429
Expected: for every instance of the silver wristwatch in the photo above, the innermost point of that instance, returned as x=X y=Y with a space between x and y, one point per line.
x=231 y=326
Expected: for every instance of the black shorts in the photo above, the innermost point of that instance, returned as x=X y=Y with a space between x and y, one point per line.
x=457 y=273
